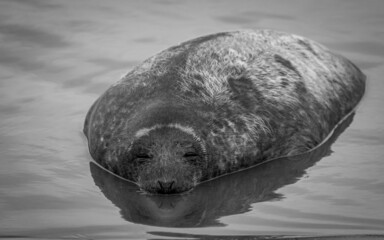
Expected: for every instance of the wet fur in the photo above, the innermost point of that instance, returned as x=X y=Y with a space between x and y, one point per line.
x=249 y=96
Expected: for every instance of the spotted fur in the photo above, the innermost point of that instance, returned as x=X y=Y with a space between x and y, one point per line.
x=245 y=96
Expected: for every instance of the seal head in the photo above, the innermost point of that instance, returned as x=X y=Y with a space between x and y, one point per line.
x=156 y=146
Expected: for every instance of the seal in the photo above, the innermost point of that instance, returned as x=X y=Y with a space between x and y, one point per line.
x=218 y=104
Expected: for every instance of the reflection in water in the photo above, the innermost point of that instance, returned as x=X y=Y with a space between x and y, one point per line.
x=261 y=237
x=228 y=195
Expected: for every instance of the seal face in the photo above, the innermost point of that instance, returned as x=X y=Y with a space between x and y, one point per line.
x=218 y=104
x=167 y=158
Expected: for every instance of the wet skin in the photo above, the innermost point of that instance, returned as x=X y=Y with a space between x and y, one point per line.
x=218 y=104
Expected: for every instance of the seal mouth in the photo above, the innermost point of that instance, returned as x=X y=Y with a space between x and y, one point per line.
x=176 y=179
x=164 y=188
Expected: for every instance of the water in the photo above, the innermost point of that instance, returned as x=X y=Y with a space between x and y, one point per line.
x=57 y=57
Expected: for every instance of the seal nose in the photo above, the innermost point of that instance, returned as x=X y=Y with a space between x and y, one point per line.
x=166 y=187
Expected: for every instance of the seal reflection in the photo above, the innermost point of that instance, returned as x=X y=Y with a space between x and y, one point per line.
x=211 y=200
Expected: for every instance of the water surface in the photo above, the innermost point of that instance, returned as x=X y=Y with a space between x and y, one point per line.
x=57 y=57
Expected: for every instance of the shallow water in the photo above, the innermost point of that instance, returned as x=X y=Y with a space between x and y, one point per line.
x=57 y=57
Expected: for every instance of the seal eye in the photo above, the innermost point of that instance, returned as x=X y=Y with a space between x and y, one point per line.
x=143 y=155
x=190 y=154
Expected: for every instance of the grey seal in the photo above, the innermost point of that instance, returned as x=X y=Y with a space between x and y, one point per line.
x=218 y=104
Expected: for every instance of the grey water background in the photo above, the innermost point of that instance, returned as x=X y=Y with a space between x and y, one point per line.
x=57 y=57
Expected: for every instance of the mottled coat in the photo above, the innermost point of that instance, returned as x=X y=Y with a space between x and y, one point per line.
x=246 y=96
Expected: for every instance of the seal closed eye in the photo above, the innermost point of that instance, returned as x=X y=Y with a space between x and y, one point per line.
x=143 y=155
x=218 y=104
x=190 y=154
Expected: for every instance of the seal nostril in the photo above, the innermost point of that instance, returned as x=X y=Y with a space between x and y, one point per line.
x=170 y=186
x=161 y=185
x=166 y=186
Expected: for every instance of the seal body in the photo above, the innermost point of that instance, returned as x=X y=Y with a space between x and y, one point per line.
x=218 y=104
